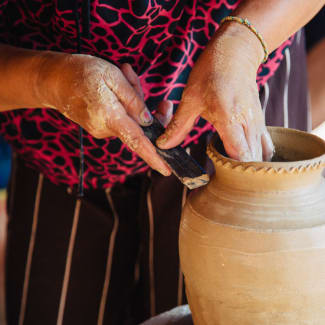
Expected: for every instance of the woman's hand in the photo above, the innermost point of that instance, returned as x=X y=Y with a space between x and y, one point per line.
x=222 y=89
x=103 y=99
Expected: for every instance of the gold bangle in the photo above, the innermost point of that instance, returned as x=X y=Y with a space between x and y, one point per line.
x=246 y=23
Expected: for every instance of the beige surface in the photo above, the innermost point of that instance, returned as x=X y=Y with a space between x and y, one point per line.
x=252 y=242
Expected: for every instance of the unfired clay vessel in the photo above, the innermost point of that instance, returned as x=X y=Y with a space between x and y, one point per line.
x=252 y=242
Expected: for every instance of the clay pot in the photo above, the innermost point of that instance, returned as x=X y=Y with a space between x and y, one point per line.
x=252 y=242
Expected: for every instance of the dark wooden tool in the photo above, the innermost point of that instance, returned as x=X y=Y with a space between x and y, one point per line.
x=185 y=168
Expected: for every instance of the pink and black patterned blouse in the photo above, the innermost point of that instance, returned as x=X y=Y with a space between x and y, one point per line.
x=161 y=39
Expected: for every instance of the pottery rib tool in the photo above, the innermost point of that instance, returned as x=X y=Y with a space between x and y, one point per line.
x=183 y=166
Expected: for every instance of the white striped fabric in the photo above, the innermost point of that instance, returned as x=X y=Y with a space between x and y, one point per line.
x=299 y=33
x=66 y=277
x=151 y=253
x=266 y=97
x=30 y=250
x=286 y=89
x=112 y=239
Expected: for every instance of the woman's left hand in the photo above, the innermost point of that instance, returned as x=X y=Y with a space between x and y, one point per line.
x=222 y=89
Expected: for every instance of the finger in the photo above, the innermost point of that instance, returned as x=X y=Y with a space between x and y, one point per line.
x=267 y=146
x=234 y=140
x=253 y=139
x=133 y=78
x=132 y=135
x=128 y=96
x=259 y=156
x=180 y=125
x=165 y=112
x=261 y=146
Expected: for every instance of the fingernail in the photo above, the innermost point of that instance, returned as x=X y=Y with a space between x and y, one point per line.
x=146 y=117
x=162 y=140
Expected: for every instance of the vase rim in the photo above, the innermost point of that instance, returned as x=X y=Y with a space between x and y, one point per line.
x=297 y=166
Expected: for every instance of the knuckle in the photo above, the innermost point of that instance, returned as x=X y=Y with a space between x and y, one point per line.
x=133 y=101
x=97 y=130
x=94 y=130
x=111 y=74
x=92 y=68
x=132 y=140
x=114 y=106
x=115 y=116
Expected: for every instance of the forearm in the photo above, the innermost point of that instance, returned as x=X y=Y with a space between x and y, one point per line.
x=277 y=20
x=20 y=77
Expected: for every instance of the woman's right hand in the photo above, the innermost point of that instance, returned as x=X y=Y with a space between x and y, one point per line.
x=103 y=99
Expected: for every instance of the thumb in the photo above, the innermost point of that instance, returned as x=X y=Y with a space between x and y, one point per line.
x=180 y=125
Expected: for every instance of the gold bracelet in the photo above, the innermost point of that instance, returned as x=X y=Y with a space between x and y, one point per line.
x=246 y=23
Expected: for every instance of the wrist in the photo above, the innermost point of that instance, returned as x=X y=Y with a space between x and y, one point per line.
x=20 y=78
x=243 y=41
x=46 y=83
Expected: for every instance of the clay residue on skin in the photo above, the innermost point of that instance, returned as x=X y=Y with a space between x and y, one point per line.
x=130 y=140
x=102 y=105
x=236 y=118
x=66 y=111
x=172 y=127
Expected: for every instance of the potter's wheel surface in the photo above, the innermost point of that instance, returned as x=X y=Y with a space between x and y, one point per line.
x=177 y=316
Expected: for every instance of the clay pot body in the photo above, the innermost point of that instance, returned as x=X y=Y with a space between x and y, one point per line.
x=252 y=242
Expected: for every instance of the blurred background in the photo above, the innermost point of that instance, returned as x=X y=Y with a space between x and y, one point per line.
x=315 y=43
x=5 y=166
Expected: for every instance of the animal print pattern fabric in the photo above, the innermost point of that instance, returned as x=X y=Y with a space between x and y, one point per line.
x=161 y=39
